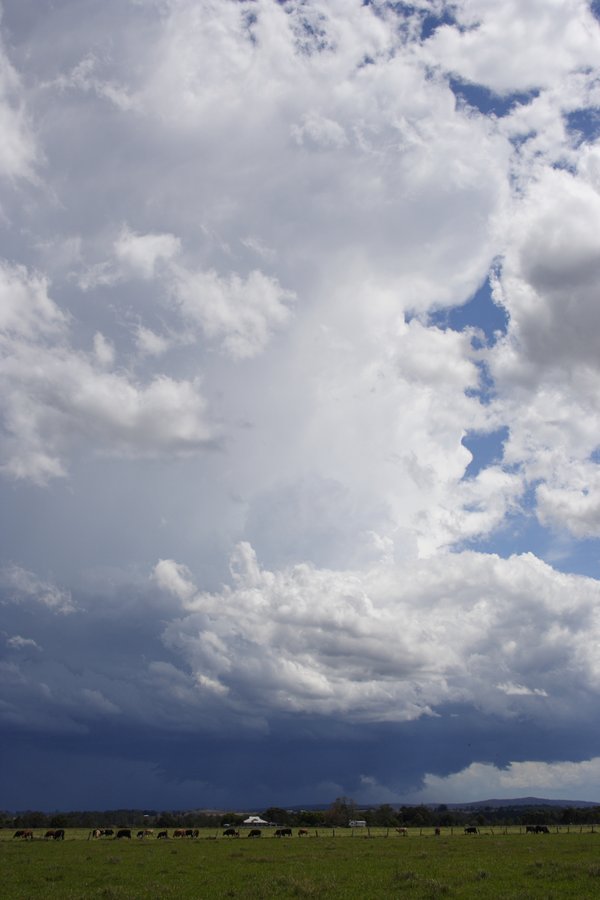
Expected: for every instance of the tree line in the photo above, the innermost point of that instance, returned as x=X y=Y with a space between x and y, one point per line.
x=337 y=815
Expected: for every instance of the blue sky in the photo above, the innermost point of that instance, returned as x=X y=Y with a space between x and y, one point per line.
x=299 y=417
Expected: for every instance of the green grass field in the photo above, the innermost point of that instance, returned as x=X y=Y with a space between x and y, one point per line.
x=484 y=866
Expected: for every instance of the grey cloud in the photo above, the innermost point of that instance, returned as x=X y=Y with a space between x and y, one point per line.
x=22 y=585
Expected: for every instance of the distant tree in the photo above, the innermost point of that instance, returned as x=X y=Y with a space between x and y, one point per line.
x=231 y=818
x=166 y=820
x=59 y=821
x=385 y=816
x=276 y=814
x=421 y=816
x=31 y=819
x=310 y=818
x=340 y=812
x=447 y=819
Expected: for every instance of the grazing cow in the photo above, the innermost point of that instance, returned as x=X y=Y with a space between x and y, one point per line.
x=254 y=832
x=140 y=835
x=179 y=832
x=18 y=834
x=302 y=832
x=59 y=834
x=231 y=832
x=49 y=834
x=283 y=832
x=402 y=831
x=148 y=832
x=542 y=829
x=106 y=832
x=96 y=833
x=471 y=829
x=26 y=834
x=438 y=831
x=162 y=836
x=530 y=829
x=124 y=833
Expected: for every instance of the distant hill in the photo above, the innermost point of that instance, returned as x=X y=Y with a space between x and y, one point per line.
x=471 y=804
x=520 y=801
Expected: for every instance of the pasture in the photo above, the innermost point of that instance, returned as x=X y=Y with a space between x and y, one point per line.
x=350 y=865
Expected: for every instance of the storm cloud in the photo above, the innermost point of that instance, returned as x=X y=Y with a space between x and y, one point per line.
x=299 y=414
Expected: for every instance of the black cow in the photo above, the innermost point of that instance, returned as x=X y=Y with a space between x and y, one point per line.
x=254 y=832
x=26 y=834
x=123 y=833
x=471 y=829
x=59 y=834
x=162 y=836
x=231 y=832
x=283 y=832
x=106 y=832
x=49 y=834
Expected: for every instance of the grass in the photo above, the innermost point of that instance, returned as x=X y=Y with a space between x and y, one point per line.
x=418 y=867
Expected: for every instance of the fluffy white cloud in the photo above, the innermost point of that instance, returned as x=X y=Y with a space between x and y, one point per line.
x=54 y=396
x=563 y=780
x=141 y=253
x=20 y=643
x=242 y=313
x=20 y=585
x=18 y=150
x=504 y=46
x=395 y=642
x=546 y=369
x=174 y=578
x=26 y=310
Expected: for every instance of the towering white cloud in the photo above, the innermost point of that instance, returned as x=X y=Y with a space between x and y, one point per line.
x=239 y=245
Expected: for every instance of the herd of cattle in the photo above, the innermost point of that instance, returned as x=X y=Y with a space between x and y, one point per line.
x=55 y=834
x=58 y=834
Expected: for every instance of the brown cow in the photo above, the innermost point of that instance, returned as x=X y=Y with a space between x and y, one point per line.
x=302 y=832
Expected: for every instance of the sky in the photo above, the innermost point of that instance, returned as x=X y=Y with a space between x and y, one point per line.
x=299 y=402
